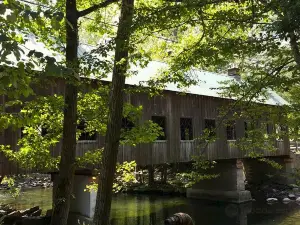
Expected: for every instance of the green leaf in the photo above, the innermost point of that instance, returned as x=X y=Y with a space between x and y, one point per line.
x=11 y=18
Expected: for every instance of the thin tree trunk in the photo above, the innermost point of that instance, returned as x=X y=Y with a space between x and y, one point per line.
x=295 y=47
x=116 y=102
x=164 y=174
x=150 y=175
x=67 y=163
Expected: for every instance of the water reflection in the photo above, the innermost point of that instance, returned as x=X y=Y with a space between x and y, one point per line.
x=152 y=210
x=29 y=198
x=144 y=210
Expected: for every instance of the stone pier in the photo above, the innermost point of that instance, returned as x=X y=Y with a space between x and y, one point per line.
x=229 y=186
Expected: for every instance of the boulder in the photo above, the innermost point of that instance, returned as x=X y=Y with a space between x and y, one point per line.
x=292 y=196
x=298 y=200
x=49 y=212
x=2 y=212
x=272 y=200
x=286 y=200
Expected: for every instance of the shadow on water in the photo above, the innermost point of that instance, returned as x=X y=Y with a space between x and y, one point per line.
x=152 y=210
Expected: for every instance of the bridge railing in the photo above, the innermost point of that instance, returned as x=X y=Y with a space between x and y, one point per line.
x=214 y=151
x=159 y=152
x=295 y=146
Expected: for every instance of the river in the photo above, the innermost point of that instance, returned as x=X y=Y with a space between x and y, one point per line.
x=152 y=210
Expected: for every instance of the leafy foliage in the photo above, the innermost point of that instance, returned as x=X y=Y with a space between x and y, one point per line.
x=41 y=123
x=13 y=190
x=200 y=171
x=124 y=178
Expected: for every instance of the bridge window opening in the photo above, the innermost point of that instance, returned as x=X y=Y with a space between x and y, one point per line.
x=161 y=121
x=84 y=135
x=280 y=131
x=127 y=125
x=266 y=128
x=248 y=126
x=41 y=130
x=231 y=130
x=269 y=129
x=186 y=129
x=22 y=132
x=210 y=127
x=246 y=129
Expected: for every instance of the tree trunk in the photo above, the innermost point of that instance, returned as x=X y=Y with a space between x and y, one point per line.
x=164 y=174
x=67 y=163
x=294 y=47
x=150 y=175
x=116 y=102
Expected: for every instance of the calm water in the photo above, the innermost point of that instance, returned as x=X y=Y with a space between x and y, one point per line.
x=152 y=210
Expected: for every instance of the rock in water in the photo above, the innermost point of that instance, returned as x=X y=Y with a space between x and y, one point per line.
x=2 y=212
x=286 y=200
x=272 y=200
x=292 y=196
x=179 y=219
x=49 y=212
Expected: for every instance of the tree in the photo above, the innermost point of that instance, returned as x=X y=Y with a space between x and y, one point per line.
x=63 y=187
x=71 y=73
x=67 y=163
x=116 y=102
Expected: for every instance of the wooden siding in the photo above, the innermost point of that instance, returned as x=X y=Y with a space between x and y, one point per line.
x=172 y=106
x=188 y=149
x=85 y=146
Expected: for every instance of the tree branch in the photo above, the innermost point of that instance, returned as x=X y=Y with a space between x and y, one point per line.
x=95 y=7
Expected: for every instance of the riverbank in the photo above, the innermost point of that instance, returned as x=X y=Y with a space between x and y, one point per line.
x=156 y=189
x=272 y=190
x=259 y=192
x=27 y=181
x=153 y=209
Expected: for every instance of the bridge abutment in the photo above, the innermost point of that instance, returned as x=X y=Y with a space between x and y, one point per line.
x=229 y=186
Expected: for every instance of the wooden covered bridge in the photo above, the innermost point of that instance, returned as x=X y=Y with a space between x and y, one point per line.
x=183 y=117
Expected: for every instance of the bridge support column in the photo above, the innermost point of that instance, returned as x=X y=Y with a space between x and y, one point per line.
x=289 y=167
x=82 y=202
x=229 y=186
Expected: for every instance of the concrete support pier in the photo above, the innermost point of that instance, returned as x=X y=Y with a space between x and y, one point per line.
x=82 y=202
x=229 y=186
